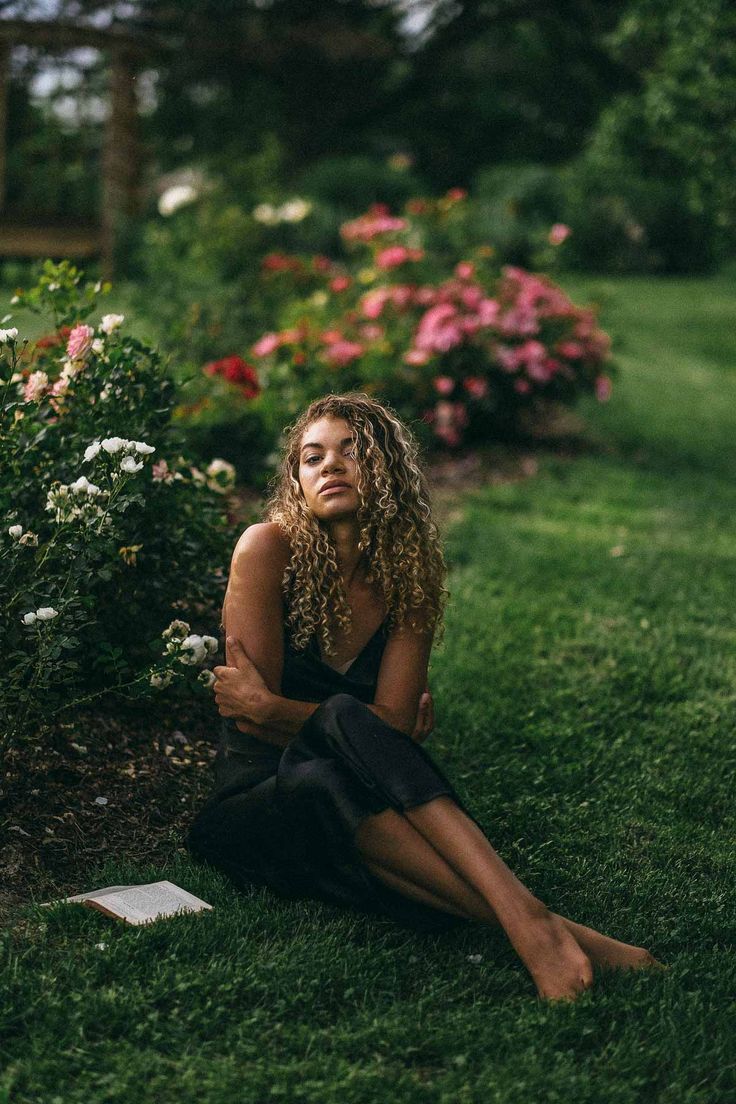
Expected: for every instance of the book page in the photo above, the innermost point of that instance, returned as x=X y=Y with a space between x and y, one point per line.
x=84 y=896
x=144 y=903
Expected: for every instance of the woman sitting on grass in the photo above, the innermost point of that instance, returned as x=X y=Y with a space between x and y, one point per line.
x=323 y=788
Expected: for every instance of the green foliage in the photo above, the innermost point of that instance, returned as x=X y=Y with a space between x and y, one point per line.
x=514 y=206
x=351 y=183
x=628 y=199
x=106 y=546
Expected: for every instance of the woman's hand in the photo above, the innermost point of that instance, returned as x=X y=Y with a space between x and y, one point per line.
x=240 y=691
x=425 y=717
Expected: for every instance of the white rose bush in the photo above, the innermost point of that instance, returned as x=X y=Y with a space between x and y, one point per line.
x=107 y=531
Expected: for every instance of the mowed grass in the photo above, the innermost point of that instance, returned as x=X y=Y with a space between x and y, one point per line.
x=586 y=710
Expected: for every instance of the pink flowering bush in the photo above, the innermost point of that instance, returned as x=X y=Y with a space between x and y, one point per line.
x=457 y=342
x=108 y=531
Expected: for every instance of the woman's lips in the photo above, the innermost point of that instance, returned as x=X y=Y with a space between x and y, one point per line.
x=335 y=489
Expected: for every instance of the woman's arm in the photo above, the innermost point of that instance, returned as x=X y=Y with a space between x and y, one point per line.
x=401 y=680
x=252 y=611
x=241 y=693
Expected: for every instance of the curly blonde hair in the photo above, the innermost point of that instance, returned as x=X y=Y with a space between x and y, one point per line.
x=398 y=538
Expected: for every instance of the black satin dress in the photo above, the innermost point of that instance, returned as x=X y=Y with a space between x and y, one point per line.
x=286 y=817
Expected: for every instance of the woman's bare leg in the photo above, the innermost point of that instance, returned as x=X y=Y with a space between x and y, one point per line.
x=400 y=856
x=558 y=965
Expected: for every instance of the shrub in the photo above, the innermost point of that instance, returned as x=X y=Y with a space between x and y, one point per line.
x=446 y=338
x=105 y=537
x=629 y=203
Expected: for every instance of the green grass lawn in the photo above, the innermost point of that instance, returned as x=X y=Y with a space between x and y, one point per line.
x=586 y=710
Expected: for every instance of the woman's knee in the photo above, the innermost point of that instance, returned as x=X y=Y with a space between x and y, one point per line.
x=342 y=705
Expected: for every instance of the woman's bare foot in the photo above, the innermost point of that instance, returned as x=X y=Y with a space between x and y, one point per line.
x=559 y=966
x=611 y=953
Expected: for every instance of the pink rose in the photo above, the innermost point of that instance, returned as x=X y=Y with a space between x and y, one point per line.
x=522 y=386
x=374 y=222
x=450 y=419
x=476 y=386
x=603 y=388
x=558 y=233
x=266 y=345
x=465 y=270
x=80 y=341
x=395 y=255
x=374 y=301
x=340 y=353
x=161 y=473
x=471 y=296
x=444 y=385
x=570 y=349
x=488 y=312
x=340 y=283
x=508 y=358
x=402 y=296
x=330 y=336
x=35 y=386
x=416 y=356
x=439 y=330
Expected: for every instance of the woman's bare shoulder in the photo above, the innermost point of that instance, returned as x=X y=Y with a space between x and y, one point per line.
x=264 y=541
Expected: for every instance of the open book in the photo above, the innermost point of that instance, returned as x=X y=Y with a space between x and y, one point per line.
x=138 y=904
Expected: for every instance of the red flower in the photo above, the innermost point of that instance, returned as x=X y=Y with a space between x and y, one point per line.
x=50 y=341
x=236 y=370
x=340 y=283
x=281 y=262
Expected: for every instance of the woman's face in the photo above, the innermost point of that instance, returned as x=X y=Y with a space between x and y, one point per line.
x=327 y=457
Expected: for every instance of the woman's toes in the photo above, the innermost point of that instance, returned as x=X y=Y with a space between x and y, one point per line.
x=646 y=960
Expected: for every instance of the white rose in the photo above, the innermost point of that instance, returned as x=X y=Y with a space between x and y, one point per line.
x=161 y=681
x=177 y=630
x=211 y=644
x=15 y=531
x=294 y=210
x=28 y=618
x=83 y=486
x=178 y=195
x=8 y=335
x=113 y=444
x=98 y=346
x=128 y=464
x=218 y=465
x=34 y=386
x=195 y=650
x=207 y=678
x=111 y=322
x=45 y=613
x=266 y=214
x=91 y=450
x=141 y=446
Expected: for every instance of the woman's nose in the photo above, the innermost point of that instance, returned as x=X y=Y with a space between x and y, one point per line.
x=331 y=462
